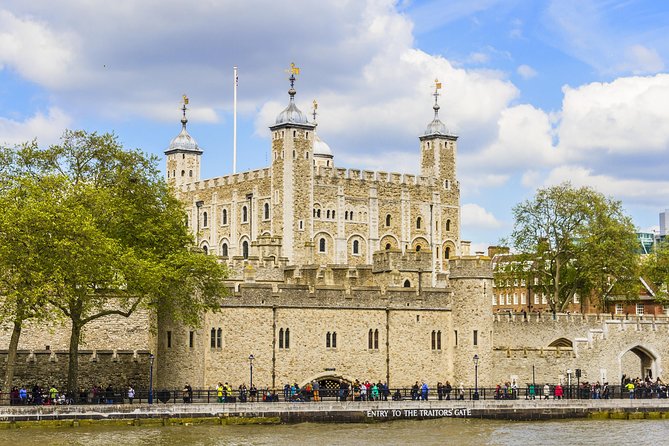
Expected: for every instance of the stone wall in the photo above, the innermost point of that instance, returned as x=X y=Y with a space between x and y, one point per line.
x=46 y=368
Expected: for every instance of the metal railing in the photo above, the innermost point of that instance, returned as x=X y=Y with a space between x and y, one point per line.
x=205 y=396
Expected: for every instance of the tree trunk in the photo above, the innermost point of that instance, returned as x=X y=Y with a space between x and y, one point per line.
x=73 y=366
x=11 y=355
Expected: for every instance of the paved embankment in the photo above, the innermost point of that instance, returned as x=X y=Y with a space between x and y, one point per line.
x=333 y=411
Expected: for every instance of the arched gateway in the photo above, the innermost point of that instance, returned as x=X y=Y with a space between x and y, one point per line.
x=639 y=361
x=329 y=383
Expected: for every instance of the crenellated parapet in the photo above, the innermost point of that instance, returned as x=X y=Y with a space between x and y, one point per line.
x=227 y=180
x=374 y=178
x=323 y=296
x=470 y=267
x=396 y=260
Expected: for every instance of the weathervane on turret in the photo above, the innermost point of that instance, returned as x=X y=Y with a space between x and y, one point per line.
x=293 y=70
x=437 y=87
x=313 y=113
x=185 y=102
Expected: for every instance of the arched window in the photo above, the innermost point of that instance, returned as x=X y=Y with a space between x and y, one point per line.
x=448 y=225
x=388 y=220
x=438 y=339
x=224 y=216
x=204 y=220
x=333 y=214
x=205 y=249
x=287 y=340
x=280 y=337
x=447 y=253
x=370 y=344
x=418 y=222
x=407 y=283
x=418 y=248
x=245 y=214
x=224 y=250
x=434 y=340
x=387 y=246
x=266 y=211
x=318 y=213
x=190 y=173
x=219 y=338
x=328 y=213
x=334 y=339
x=376 y=339
x=213 y=338
x=183 y=173
x=245 y=249
x=356 y=247
x=321 y=245
x=327 y=340
x=346 y=215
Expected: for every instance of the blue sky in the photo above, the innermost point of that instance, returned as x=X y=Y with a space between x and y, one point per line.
x=539 y=92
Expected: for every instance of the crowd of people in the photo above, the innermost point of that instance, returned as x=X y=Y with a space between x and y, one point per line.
x=356 y=391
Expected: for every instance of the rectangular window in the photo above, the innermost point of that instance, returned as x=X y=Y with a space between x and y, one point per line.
x=577 y=298
x=515 y=299
x=169 y=339
x=619 y=308
x=666 y=310
x=191 y=339
x=536 y=299
x=543 y=298
x=213 y=338
x=536 y=281
x=639 y=309
x=494 y=299
x=455 y=338
x=523 y=299
x=522 y=282
x=476 y=337
x=508 y=299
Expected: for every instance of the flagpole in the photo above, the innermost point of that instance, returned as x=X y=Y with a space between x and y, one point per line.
x=234 y=123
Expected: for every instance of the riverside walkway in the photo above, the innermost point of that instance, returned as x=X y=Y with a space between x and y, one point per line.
x=333 y=411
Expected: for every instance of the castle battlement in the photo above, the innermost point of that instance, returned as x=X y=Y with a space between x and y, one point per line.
x=298 y=295
x=392 y=259
x=470 y=267
x=227 y=180
x=372 y=176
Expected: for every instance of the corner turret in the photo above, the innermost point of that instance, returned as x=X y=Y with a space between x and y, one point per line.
x=183 y=155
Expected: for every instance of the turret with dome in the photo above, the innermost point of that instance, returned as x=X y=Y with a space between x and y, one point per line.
x=183 y=155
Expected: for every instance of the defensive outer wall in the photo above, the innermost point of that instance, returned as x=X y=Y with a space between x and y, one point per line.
x=356 y=412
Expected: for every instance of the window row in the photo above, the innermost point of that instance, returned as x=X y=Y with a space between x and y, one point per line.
x=329 y=214
x=245 y=215
x=168 y=339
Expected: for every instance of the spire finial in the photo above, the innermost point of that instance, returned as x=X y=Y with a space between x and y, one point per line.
x=314 y=113
x=293 y=70
x=184 y=120
x=437 y=87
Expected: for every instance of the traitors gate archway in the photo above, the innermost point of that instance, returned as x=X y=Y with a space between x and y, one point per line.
x=639 y=361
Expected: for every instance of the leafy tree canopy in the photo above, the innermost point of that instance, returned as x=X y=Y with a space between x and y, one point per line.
x=576 y=241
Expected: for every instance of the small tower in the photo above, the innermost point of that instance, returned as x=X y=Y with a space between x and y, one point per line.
x=183 y=155
x=438 y=146
x=293 y=178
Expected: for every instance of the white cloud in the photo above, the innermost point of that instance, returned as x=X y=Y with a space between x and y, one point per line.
x=638 y=190
x=526 y=71
x=640 y=60
x=36 y=51
x=47 y=129
x=475 y=217
x=625 y=116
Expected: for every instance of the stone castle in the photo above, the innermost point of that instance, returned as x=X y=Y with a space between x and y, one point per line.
x=339 y=274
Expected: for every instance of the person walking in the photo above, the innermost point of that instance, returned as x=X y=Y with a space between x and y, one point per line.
x=131 y=394
x=547 y=391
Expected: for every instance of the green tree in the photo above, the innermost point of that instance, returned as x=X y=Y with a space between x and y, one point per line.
x=116 y=238
x=655 y=268
x=577 y=241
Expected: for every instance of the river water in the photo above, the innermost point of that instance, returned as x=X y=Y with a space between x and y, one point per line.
x=427 y=432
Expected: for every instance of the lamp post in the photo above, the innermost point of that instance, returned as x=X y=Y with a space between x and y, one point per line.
x=151 y=358
x=251 y=358
x=476 y=377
